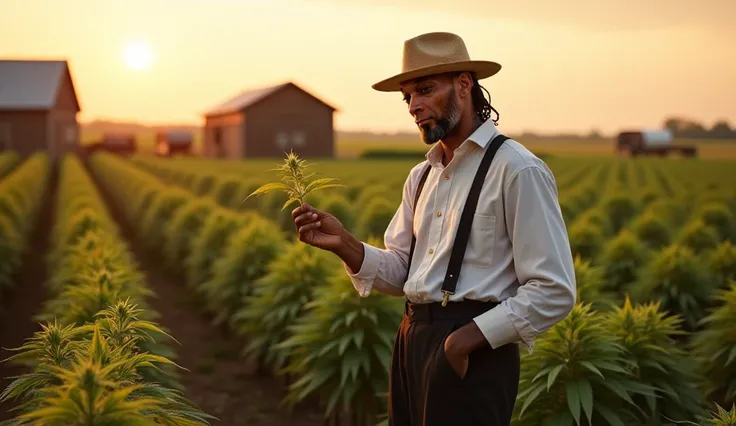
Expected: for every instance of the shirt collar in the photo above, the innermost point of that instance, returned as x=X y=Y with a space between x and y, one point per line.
x=481 y=137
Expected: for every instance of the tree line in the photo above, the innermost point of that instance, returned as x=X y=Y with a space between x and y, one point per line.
x=688 y=128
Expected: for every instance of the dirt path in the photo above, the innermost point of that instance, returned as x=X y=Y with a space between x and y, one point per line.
x=218 y=381
x=21 y=303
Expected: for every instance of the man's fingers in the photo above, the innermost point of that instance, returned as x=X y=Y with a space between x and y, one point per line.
x=305 y=218
x=303 y=208
x=296 y=212
x=303 y=230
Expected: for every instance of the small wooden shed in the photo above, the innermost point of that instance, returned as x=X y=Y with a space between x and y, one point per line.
x=269 y=121
x=117 y=143
x=38 y=107
x=171 y=142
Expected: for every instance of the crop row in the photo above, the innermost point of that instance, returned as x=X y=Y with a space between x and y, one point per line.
x=664 y=354
x=21 y=194
x=367 y=209
x=99 y=358
x=290 y=302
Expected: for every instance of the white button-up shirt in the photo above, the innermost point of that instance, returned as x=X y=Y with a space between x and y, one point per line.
x=518 y=251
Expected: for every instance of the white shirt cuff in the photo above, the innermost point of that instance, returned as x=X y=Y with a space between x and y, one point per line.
x=497 y=328
x=363 y=278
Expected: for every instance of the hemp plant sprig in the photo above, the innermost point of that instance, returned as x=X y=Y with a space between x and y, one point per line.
x=294 y=178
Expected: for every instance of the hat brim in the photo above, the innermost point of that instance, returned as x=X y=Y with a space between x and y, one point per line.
x=482 y=69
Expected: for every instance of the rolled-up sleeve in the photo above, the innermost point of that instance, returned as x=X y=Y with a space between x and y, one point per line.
x=384 y=270
x=542 y=259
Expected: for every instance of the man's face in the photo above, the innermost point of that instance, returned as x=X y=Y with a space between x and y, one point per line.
x=433 y=105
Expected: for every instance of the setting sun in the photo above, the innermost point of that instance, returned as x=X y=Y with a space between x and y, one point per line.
x=137 y=55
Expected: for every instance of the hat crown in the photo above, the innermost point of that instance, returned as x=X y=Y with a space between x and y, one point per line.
x=433 y=49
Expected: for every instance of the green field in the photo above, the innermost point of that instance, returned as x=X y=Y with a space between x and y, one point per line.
x=651 y=338
x=707 y=149
x=350 y=147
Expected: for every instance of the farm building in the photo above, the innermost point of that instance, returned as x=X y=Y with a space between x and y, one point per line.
x=117 y=143
x=269 y=121
x=172 y=142
x=38 y=107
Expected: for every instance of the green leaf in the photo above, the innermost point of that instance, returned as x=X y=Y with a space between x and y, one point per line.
x=573 y=400
x=612 y=367
x=591 y=367
x=344 y=342
x=274 y=186
x=553 y=375
x=358 y=336
x=316 y=381
x=586 y=398
x=532 y=396
x=350 y=317
x=289 y=202
x=318 y=183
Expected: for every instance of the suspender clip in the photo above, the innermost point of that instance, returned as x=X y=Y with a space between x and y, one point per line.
x=446 y=297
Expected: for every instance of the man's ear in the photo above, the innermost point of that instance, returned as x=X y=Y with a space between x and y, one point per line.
x=465 y=84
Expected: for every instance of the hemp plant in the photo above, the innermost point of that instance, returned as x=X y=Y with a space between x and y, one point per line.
x=294 y=178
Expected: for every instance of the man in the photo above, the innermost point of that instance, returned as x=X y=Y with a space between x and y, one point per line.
x=456 y=356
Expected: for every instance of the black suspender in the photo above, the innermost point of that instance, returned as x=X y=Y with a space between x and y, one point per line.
x=466 y=220
x=416 y=201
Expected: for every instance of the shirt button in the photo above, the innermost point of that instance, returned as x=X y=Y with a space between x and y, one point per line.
x=439 y=214
x=447 y=177
x=431 y=251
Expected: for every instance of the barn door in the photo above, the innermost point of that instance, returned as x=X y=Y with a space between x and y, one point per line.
x=5 y=142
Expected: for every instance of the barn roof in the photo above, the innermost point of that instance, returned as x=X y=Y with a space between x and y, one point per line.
x=249 y=97
x=31 y=84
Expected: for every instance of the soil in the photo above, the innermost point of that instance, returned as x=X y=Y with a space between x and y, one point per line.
x=218 y=381
x=21 y=303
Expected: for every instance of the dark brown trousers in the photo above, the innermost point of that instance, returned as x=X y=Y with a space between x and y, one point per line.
x=424 y=389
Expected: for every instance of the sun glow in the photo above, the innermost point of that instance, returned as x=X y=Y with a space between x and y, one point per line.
x=138 y=55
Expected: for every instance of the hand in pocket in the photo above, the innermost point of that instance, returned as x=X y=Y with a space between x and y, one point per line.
x=457 y=360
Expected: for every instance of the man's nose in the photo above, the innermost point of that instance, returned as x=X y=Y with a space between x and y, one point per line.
x=415 y=107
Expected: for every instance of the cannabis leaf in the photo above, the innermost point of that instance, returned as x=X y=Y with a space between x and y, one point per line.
x=294 y=181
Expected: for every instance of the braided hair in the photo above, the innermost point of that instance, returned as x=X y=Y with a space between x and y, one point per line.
x=482 y=106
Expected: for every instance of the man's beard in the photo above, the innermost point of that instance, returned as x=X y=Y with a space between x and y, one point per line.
x=445 y=124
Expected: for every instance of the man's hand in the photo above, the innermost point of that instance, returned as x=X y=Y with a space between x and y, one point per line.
x=460 y=343
x=317 y=228
x=323 y=230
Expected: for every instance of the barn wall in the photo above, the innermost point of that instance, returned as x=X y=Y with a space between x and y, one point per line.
x=231 y=128
x=65 y=98
x=278 y=123
x=64 y=132
x=23 y=131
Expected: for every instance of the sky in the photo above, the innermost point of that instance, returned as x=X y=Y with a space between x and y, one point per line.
x=567 y=66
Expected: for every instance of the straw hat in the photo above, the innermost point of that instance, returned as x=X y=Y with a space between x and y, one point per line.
x=435 y=53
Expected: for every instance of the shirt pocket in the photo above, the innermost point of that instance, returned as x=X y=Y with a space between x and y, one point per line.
x=481 y=241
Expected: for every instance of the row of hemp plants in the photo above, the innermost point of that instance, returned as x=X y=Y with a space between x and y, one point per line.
x=624 y=365
x=99 y=357
x=367 y=208
x=21 y=194
x=618 y=363
x=278 y=294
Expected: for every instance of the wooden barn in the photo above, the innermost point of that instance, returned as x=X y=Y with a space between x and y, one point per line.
x=38 y=107
x=269 y=121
